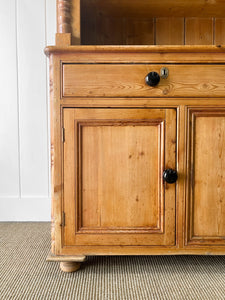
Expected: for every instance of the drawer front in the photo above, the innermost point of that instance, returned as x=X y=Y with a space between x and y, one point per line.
x=128 y=80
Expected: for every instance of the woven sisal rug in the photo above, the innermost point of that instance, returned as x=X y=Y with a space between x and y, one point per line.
x=25 y=274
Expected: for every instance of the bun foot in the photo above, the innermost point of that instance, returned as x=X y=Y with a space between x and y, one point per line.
x=68 y=266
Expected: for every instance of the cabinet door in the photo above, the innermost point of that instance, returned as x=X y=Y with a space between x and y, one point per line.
x=206 y=177
x=114 y=193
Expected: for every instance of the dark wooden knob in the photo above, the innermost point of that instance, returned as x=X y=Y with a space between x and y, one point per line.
x=152 y=78
x=170 y=175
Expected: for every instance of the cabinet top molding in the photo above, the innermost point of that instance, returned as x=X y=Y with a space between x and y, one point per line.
x=137 y=49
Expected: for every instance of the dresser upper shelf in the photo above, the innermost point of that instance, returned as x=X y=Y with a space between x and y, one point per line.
x=142 y=22
x=157 y=8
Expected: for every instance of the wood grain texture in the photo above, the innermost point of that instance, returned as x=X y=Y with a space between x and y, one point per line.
x=199 y=31
x=126 y=80
x=169 y=31
x=130 y=23
x=88 y=31
x=139 y=31
x=206 y=173
x=52 y=153
x=117 y=193
x=219 y=31
x=109 y=30
x=163 y=8
x=64 y=16
x=101 y=176
x=63 y=39
x=145 y=250
x=148 y=54
x=76 y=22
x=100 y=29
x=114 y=188
x=177 y=103
x=56 y=168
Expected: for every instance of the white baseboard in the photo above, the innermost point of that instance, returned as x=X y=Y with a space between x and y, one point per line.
x=37 y=209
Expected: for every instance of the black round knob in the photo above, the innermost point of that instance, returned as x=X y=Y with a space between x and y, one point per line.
x=170 y=175
x=152 y=78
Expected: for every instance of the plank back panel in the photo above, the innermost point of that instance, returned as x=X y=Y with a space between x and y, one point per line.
x=99 y=29
x=163 y=8
x=199 y=31
x=139 y=31
x=219 y=31
x=109 y=31
x=169 y=31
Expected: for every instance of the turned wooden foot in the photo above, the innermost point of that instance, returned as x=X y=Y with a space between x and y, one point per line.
x=69 y=266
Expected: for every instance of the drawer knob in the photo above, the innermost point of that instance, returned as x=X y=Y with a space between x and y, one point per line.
x=170 y=175
x=152 y=78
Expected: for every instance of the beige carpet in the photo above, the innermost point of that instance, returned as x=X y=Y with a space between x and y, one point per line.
x=26 y=275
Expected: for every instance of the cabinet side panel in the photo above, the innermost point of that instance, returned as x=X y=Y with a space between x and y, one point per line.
x=52 y=153
x=56 y=156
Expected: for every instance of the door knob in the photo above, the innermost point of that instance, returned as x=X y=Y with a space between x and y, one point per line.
x=152 y=78
x=170 y=175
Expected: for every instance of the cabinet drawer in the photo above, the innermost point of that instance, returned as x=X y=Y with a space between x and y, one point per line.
x=128 y=80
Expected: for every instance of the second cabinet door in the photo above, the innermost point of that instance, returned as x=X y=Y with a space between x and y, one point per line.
x=205 y=222
x=114 y=192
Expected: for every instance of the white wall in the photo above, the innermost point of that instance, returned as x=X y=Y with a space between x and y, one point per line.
x=26 y=27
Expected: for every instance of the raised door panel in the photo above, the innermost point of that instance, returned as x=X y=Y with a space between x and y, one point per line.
x=206 y=177
x=113 y=188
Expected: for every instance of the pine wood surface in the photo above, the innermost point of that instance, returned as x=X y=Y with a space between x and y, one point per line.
x=181 y=198
x=169 y=31
x=219 y=31
x=163 y=8
x=95 y=22
x=199 y=31
x=63 y=16
x=66 y=258
x=206 y=180
x=68 y=266
x=99 y=97
x=121 y=192
x=124 y=80
x=138 y=54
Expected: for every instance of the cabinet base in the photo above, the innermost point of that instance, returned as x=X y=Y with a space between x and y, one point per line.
x=68 y=263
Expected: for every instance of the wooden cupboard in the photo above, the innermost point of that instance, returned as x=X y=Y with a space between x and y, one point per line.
x=138 y=131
